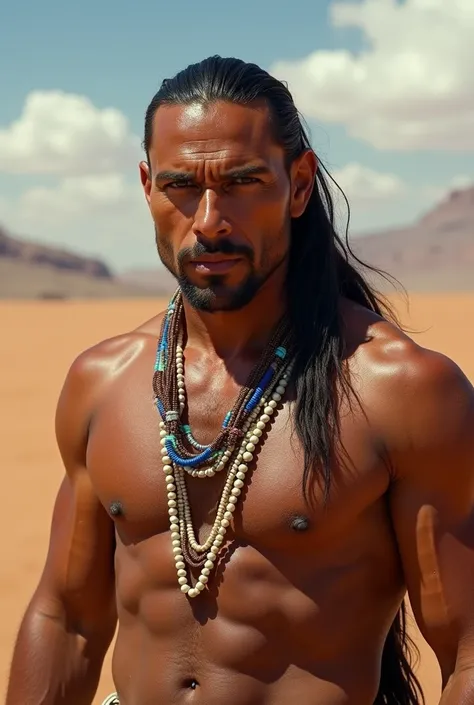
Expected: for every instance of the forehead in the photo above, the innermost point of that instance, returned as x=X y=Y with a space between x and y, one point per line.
x=217 y=131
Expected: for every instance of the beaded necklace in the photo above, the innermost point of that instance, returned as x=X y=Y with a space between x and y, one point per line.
x=233 y=448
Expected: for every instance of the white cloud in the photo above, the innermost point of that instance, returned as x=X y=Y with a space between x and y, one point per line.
x=367 y=187
x=63 y=133
x=435 y=194
x=412 y=88
x=104 y=215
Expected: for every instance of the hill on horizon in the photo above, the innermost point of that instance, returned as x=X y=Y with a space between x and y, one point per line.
x=436 y=253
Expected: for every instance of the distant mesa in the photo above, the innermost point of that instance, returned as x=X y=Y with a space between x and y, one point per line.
x=436 y=253
x=34 y=271
x=29 y=252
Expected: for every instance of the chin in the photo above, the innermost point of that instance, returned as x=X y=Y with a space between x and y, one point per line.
x=216 y=298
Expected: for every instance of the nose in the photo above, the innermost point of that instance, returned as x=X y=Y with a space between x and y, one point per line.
x=209 y=221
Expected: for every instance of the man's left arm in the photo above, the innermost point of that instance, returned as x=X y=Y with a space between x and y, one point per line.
x=432 y=506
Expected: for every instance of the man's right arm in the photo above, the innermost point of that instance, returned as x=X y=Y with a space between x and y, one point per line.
x=71 y=618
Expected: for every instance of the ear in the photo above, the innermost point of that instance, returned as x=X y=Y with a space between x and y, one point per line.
x=303 y=175
x=145 y=178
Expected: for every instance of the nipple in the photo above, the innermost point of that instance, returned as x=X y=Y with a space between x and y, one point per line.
x=300 y=523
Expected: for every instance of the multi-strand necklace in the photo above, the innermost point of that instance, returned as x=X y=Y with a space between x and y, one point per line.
x=233 y=449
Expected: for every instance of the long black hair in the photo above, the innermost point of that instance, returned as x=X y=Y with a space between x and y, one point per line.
x=322 y=268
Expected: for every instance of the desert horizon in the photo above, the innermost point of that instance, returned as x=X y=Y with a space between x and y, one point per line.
x=41 y=339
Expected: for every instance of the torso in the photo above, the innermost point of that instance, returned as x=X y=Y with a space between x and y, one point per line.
x=305 y=594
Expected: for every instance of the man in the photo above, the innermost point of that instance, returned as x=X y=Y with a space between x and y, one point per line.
x=256 y=477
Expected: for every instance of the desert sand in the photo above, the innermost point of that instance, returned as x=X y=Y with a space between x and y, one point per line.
x=39 y=341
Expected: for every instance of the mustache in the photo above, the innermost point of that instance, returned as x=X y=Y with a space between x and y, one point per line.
x=220 y=247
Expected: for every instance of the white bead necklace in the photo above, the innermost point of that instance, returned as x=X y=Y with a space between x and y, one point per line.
x=179 y=511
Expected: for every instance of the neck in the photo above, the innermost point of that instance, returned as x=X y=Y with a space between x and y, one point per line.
x=230 y=333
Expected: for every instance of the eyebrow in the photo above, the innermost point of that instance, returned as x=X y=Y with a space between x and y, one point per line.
x=235 y=173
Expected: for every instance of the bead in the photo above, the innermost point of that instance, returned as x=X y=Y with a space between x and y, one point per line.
x=243 y=468
x=171 y=487
x=166 y=460
x=222 y=531
x=235 y=491
x=254 y=439
x=250 y=447
x=280 y=389
x=167 y=469
x=211 y=556
x=185 y=588
x=276 y=397
x=214 y=550
x=201 y=473
x=175 y=535
x=181 y=573
x=182 y=581
x=268 y=410
x=203 y=578
x=209 y=565
x=178 y=558
x=193 y=592
x=177 y=551
x=163 y=433
x=174 y=527
x=238 y=483
x=180 y=565
x=272 y=404
x=171 y=503
x=260 y=425
x=233 y=500
x=257 y=432
x=228 y=514
x=240 y=476
x=210 y=472
x=176 y=543
x=200 y=586
x=264 y=418
x=247 y=456
x=225 y=523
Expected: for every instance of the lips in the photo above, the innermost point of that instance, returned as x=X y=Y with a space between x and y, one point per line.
x=214 y=265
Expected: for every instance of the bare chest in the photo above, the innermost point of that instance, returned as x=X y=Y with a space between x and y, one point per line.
x=273 y=512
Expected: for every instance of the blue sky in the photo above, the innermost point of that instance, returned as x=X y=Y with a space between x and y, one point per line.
x=388 y=118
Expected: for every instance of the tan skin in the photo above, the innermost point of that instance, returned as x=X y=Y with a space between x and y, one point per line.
x=292 y=614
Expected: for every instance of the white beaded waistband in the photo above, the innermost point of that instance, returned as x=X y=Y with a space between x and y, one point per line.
x=111 y=699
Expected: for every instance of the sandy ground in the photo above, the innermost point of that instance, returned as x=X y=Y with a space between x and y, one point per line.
x=39 y=341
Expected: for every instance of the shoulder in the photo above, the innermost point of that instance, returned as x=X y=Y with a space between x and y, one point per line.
x=106 y=359
x=424 y=401
x=102 y=365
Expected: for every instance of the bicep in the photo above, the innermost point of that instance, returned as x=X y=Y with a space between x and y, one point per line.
x=432 y=506
x=79 y=569
x=436 y=545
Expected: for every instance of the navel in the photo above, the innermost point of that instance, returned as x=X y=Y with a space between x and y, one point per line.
x=116 y=509
x=190 y=683
x=299 y=523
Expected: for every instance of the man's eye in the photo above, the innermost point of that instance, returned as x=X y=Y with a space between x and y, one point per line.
x=179 y=184
x=240 y=180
